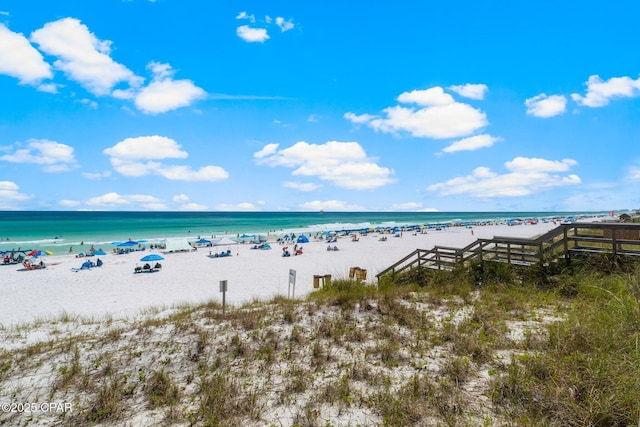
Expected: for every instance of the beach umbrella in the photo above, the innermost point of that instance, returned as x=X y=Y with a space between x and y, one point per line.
x=203 y=241
x=128 y=244
x=99 y=252
x=151 y=257
x=36 y=253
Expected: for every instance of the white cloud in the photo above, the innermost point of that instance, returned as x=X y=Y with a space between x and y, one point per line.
x=10 y=195
x=109 y=199
x=4 y=13
x=330 y=205
x=526 y=176
x=600 y=92
x=427 y=98
x=440 y=116
x=527 y=164
x=115 y=200
x=283 y=24
x=244 y=207
x=471 y=143
x=181 y=198
x=359 y=119
x=409 y=206
x=96 y=175
x=252 y=35
x=82 y=56
x=69 y=203
x=245 y=15
x=546 y=106
x=135 y=157
x=165 y=94
x=267 y=150
x=344 y=164
x=304 y=187
x=147 y=147
x=314 y=118
x=53 y=156
x=412 y=207
x=472 y=91
x=634 y=173
x=193 y=207
x=185 y=173
x=21 y=60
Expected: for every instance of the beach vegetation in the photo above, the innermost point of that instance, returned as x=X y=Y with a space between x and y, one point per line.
x=479 y=345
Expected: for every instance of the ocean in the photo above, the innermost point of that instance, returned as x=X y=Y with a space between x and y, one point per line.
x=59 y=231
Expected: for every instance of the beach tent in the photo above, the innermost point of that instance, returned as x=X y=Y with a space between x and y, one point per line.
x=177 y=245
x=302 y=239
x=225 y=241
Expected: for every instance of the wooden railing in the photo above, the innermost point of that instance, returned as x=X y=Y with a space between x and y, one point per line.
x=566 y=240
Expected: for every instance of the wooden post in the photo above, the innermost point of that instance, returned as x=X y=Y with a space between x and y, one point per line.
x=292 y=282
x=565 y=239
x=614 y=242
x=223 y=289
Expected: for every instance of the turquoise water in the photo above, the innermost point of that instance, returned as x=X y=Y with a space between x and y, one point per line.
x=59 y=230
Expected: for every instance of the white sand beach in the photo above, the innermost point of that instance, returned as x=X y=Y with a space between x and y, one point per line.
x=114 y=291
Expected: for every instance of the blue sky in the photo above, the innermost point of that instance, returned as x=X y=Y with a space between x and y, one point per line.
x=283 y=105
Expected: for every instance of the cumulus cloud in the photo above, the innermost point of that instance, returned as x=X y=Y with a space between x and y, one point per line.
x=252 y=35
x=546 y=106
x=138 y=157
x=53 y=156
x=21 y=60
x=428 y=98
x=344 y=164
x=600 y=92
x=164 y=93
x=147 y=147
x=82 y=56
x=304 y=187
x=438 y=116
x=10 y=195
x=472 y=91
x=116 y=200
x=283 y=24
x=526 y=176
x=471 y=143
x=257 y=33
x=330 y=205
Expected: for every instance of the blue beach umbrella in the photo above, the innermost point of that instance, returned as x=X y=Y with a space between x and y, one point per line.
x=151 y=257
x=99 y=252
x=128 y=244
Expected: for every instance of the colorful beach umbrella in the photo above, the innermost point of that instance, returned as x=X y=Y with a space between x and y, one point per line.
x=37 y=252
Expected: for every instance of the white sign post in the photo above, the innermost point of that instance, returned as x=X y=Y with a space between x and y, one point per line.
x=223 y=289
x=292 y=282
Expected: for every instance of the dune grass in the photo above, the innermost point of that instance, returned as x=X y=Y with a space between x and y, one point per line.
x=550 y=345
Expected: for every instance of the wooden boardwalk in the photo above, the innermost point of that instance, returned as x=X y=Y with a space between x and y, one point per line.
x=566 y=241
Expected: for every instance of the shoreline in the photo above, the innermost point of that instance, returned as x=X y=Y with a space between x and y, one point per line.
x=114 y=291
